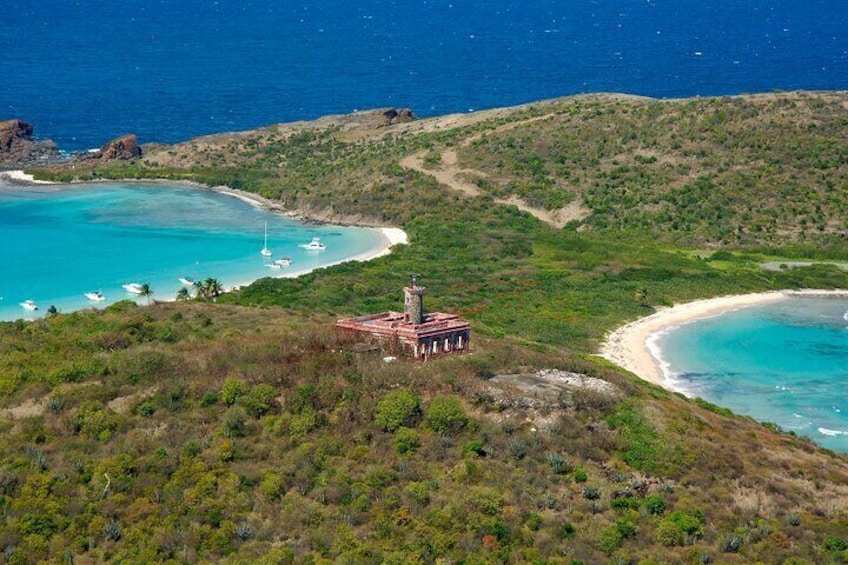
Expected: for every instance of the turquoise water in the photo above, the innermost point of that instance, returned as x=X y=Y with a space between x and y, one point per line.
x=784 y=362
x=61 y=242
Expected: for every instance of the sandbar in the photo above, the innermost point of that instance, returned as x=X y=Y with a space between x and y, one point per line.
x=633 y=346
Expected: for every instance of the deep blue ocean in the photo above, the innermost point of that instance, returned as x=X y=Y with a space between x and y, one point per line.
x=85 y=71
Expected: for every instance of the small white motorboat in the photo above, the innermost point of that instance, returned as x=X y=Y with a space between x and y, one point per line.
x=187 y=281
x=314 y=245
x=133 y=288
x=29 y=305
x=95 y=296
x=282 y=262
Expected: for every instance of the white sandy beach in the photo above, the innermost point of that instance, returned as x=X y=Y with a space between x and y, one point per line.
x=632 y=346
x=20 y=177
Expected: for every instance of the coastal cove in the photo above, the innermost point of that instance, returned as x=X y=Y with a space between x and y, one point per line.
x=774 y=356
x=66 y=240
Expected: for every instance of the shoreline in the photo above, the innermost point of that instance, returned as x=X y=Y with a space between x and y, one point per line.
x=389 y=236
x=633 y=345
x=19 y=177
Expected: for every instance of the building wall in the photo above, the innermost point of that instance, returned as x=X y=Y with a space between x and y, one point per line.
x=440 y=344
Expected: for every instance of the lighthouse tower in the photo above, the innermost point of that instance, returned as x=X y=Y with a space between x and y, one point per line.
x=414 y=302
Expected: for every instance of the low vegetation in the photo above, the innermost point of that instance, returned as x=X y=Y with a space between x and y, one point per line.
x=243 y=431
x=218 y=433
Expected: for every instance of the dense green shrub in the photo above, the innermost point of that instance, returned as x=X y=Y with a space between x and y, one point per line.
x=233 y=389
x=609 y=540
x=398 y=408
x=234 y=421
x=445 y=414
x=835 y=543
x=679 y=528
x=259 y=400
x=654 y=504
x=406 y=440
x=95 y=421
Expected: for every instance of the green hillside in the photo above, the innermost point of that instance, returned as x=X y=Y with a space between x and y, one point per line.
x=245 y=431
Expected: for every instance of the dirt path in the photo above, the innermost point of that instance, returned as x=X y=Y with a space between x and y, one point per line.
x=449 y=173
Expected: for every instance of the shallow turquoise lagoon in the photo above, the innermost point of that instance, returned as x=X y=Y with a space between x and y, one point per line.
x=58 y=243
x=783 y=362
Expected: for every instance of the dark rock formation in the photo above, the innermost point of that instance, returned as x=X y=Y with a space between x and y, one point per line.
x=13 y=132
x=395 y=116
x=18 y=149
x=122 y=148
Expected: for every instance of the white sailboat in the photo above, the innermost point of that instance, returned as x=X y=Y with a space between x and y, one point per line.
x=265 y=251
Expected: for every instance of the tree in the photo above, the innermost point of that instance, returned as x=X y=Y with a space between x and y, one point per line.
x=214 y=288
x=146 y=291
x=232 y=390
x=398 y=408
x=209 y=288
x=183 y=294
x=446 y=414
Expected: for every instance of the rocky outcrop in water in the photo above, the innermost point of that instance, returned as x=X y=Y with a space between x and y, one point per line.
x=19 y=150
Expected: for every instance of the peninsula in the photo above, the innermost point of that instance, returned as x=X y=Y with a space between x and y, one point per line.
x=248 y=430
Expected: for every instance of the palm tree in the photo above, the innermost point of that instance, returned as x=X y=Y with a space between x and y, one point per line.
x=214 y=288
x=183 y=294
x=146 y=291
x=199 y=289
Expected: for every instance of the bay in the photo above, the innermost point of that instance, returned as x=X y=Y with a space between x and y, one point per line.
x=61 y=242
x=784 y=362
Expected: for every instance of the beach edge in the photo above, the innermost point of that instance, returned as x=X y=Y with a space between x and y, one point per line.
x=631 y=346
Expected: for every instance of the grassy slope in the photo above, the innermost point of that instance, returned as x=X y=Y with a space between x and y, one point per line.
x=139 y=395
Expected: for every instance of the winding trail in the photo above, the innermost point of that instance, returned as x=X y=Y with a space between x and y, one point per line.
x=449 y=173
